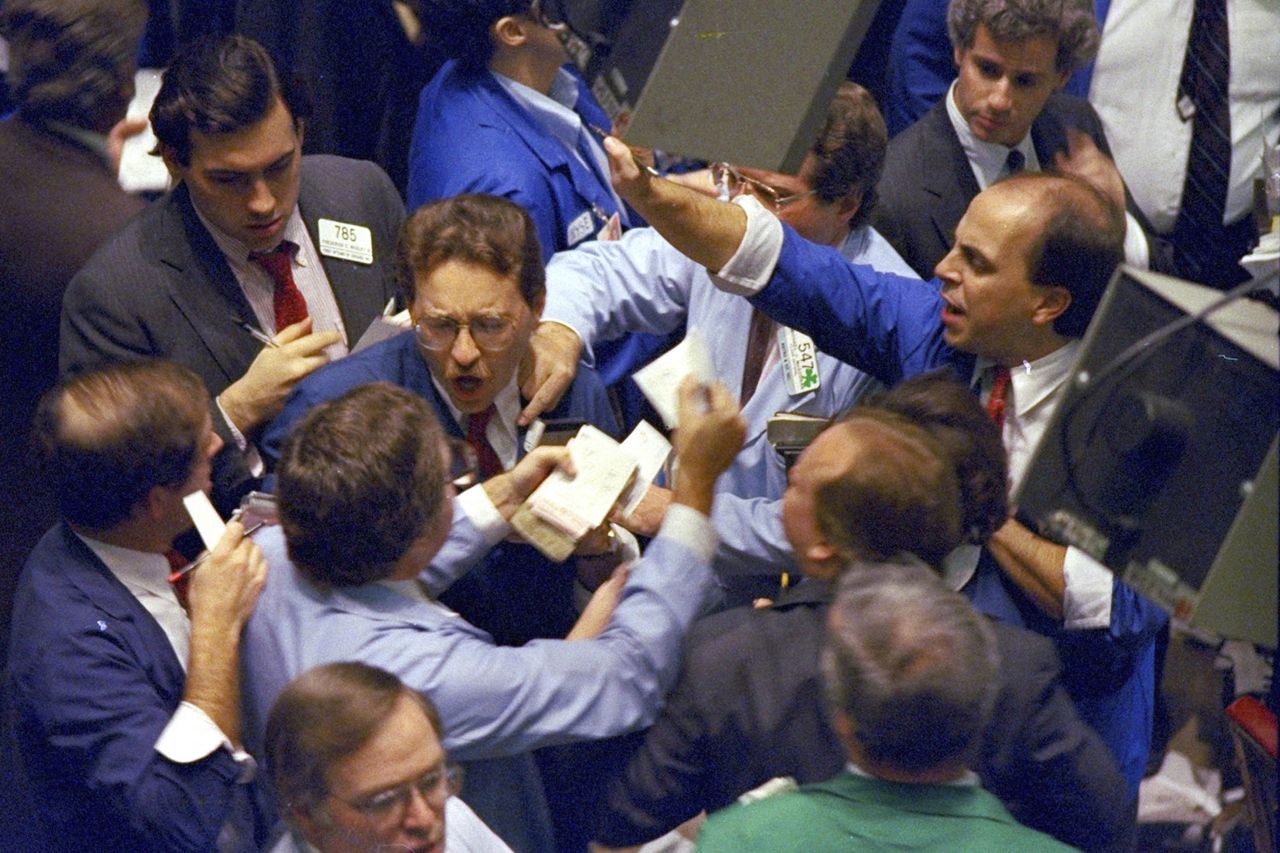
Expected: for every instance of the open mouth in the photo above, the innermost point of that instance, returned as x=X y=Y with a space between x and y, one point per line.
x=466 y=386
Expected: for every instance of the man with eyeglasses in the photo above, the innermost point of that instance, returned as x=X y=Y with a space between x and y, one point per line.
x=642 y=284
x=370 y=533
x=357 y=765
x=471 y=271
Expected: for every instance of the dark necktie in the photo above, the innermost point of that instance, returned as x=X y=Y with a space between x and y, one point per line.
x=999 y=398
x=1202 y=91
x=1015 y=162
x=287 y=301
x=477 y=437
x=758 y=338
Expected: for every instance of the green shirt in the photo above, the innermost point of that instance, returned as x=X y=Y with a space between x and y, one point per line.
x=852 y=812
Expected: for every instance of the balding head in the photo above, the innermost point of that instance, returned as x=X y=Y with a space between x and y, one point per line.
x=113 y=434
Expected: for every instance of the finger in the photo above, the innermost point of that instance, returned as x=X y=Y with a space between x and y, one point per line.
x=293 y=332
x=231 y=538
x=313 y=343
x=621 y=164
x=548 y=394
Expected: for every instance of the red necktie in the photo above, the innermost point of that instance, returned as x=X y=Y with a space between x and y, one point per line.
x=287 y=301
x=999 y=394
x=177 y=560
x=477 y=437
x=757 y=351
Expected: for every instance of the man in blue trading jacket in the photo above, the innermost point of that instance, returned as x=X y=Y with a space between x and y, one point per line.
x=642 y=284
x=472 y=273
x=506 y=116
x=127 y=705
x=366 y=542
x=1032 y=257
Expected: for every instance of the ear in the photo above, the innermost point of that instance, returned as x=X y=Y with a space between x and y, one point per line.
x=300 y=128
x=311 y=826
x=176 y=170
x=957 y=56
x=538 y=305
x=849 y=205
x=1062 y=80
x=823 y=560
x=1051 y=302
x=508 y=31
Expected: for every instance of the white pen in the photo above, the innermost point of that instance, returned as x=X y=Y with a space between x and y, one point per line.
x=257 y=334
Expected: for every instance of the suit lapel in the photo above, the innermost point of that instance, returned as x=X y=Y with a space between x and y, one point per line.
x=553 y=155
x=205 y=290
x=358 y=296
x=1048 y=137
x=87 y=573
x=948 y=175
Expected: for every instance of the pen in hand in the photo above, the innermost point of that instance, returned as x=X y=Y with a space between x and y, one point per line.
x=178 y=574
x=256 y=334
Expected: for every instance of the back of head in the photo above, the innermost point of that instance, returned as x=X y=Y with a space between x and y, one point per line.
x=480 y=229
x=72 y=60
x=460 y=28
x=1071 y=21
x=850 y=149
x=910 y=664
x=360 y=479
x=114 y=433
x=216 y=85
x=898 y=492
x=954 y=418
x=1080 y=245
x=324 y=715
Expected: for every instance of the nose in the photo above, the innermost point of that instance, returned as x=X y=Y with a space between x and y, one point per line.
x=946 y=268
x=1001 y=98
x=464 y=350
x=419 y=816
x=262 y=202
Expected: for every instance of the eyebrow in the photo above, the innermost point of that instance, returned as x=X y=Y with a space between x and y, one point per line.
x=280 y=161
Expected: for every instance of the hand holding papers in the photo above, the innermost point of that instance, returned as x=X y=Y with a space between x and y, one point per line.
x=660 y=378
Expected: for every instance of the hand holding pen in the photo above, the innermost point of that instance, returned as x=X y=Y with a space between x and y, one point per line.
x=292 y=354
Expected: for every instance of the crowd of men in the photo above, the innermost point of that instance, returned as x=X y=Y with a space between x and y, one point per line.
x=385 y=664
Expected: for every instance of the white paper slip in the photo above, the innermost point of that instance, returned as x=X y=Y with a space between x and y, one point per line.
x=650 y=449
x=208 y=523
x=660 y=379
x=383 y=328
x=140 y=170
x=580 y=503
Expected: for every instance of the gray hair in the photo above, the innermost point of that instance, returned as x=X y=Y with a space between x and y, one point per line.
x=72 y=60
x=1072 y=21
x=910 y=663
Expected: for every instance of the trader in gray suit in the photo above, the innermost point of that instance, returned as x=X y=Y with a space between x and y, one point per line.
x=259 y=267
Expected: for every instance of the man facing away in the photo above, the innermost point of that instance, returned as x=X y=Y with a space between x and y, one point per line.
x=357 y=765
x=257 y=268
x=126 y=702
x=368 y=539
x=910 y=669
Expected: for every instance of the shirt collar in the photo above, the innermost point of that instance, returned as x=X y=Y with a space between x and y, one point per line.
x=967 y=778
x=237 y=251
x=986 y=158
x=554 y=112
x=140 y=571
x=1035 y=381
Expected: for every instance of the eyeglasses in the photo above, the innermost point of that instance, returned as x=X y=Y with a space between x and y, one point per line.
x=732 y=182
x=463 y=464
x=540 y=16
x=389 y=806
x=490 y=333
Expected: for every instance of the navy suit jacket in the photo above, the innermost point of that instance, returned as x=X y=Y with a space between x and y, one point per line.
x=750 y=706
x=928 y=183
x=542 y=592
x=161 y=288
x=92 y=683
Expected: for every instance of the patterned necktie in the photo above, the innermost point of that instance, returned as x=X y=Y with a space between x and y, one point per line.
x=1015 y=162
x=999 y=398
x=287 y=301
x=478 y=438
x=757 y=351
x=1202 y=93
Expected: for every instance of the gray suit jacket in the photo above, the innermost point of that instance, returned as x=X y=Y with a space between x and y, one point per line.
x=162 y=288
x=928 y=183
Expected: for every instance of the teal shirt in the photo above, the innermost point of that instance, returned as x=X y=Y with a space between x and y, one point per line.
x=853 y=812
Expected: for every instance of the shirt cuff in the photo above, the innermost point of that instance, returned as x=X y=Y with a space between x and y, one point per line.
x=191 y=736
x=1137 y=251
x=1087 y=602
x=474 y=503
x=750 y=268
x=251 y=456
x=686 y=526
